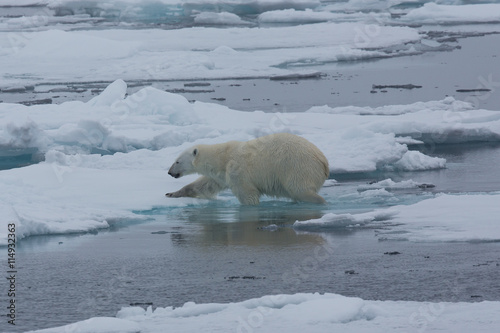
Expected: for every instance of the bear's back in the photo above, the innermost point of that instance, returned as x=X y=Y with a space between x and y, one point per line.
x=282 y=163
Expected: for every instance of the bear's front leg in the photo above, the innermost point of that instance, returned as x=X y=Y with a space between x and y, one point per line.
x=203 y=187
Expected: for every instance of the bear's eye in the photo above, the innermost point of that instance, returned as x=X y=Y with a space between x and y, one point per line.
x=177 y=162
x=195 y=151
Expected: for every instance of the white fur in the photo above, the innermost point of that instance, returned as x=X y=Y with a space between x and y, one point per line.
x=280 y=165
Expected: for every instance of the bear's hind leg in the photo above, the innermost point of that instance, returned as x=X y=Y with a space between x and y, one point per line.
x=247 y=195
x=203 y=187
x=248 y=198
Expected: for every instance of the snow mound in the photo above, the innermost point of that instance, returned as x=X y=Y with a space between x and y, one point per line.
x=224 y=18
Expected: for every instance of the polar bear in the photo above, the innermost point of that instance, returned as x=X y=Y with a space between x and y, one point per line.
x=280 y=165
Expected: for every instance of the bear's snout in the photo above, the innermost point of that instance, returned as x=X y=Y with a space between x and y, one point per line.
x=174 y=174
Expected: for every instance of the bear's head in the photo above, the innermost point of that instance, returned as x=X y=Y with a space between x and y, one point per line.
x=185 y=163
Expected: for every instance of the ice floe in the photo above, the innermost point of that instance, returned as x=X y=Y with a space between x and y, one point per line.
x=295 y=313
x=432 y=13
x=154 y=54
x=443 y=218
x=455 y=218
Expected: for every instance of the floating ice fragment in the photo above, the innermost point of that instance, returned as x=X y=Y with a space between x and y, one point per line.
x=389 y=184
x=330 y=182
x=271 y=227
x=414 y=160
x=297 y=76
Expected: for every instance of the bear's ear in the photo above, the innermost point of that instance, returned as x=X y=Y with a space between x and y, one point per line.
x=195 y=152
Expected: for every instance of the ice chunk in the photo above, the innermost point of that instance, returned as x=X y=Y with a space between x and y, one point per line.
x=389 y=184
x=114 y=92
x=152 y=102
x=330 y=182
x=297 y=76
x=332 y=220
x=416 y=161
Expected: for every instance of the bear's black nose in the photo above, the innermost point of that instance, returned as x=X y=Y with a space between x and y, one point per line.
x=175 y=175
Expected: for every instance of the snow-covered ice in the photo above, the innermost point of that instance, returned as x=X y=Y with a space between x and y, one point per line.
x=446 y=217
x=432 y=13
x=191 y=53
x=456 y=218
x=293 y=313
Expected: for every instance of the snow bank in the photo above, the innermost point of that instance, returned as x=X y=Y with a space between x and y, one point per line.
x=299 y=313
x=76 y=189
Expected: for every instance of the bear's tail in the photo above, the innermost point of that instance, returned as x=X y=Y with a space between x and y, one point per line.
x=326 y=168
